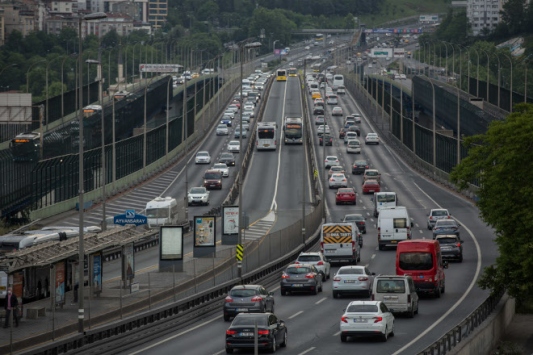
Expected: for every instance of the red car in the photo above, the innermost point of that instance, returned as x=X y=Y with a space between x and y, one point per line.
x=371 y=186
x=342 y=132
x=345 y=195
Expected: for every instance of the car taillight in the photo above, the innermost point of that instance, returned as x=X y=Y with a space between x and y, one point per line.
x=458 y=244
x=431 y=217
x=449 y=217
x=379 y=232
x=366 y=167
x=257 y=299
x=363 y=278
x=284 y=276
x=320 y=263
x=231 y=332
x=228 y=299
x=344 y=319
x=378 y=319
x=343 y=179
x=310 y=276
x=337 y=278
x=332 y=179
x=263 y=332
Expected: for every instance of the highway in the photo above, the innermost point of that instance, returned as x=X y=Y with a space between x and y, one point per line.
x=313 y=321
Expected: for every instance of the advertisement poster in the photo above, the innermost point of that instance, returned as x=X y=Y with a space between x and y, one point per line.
x=171 y=243
x=97 y=272
x=204 y=231
x=60 y=282
x=230 y=220
x=18 y=284
x=128 y=266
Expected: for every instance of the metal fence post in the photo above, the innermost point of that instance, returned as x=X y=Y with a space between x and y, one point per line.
x=120 y=296
x=174 y=281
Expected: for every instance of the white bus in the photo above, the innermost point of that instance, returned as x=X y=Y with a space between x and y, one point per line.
x=162 y=211
x=266 y=136
x=384 y=200
x=338 y=80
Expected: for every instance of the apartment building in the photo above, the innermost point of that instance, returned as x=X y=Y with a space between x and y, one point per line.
x=483 y=15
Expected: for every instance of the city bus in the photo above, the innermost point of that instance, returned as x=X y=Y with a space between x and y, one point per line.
x=293 y=72
x=266 y=136
x=293 y=130
x=281 y=75
x=26 y=147
x=319 y=37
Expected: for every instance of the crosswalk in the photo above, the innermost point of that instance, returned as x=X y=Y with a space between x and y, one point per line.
x=135 y=199
x=260 y=228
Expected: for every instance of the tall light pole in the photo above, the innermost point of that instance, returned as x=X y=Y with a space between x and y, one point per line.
x=28 y=74
x=434 y=125
x=63 y=86
x=511 y=90
x=7 y=66
x=81 y=251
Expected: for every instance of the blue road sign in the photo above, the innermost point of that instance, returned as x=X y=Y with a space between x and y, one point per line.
x=130 y=217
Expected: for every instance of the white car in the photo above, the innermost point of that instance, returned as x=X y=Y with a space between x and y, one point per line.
x=330 y=161
x=234 y=147
x=222 y=130
x=233 y=107
x=353 y=146
x=356 y=117
x=366 y=318
x=203 y=157
x=349 y=136
x=341 y=90
x=372 y=138
x=198 y=196
x=352 y=279
x=337 y=111
x=229 y=113
x=249 y=113
x=222 y=167
x=317 y=259
x=332 y=100
x=249 y=107
x=323 y=128
x=338 y=180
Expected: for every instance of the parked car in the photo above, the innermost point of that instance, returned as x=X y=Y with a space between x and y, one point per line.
x=247 y=299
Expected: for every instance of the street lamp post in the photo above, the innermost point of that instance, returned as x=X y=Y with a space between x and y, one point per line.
x=63 y=87
x=511 y=89
x=81 y=251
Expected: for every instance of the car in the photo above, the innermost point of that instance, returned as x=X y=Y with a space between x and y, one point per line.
x=223 y=168
x=336 y=169
x=307 y=47
x=236 y=102
x=358 y=219
x=353 y=146
x=234 y=107
x=403 y=77
x=316 y=95
x=246 y=116
x=451 y=247
x=337 y=111
x=371 y=186
x=332 y=100
x=435 y=214
x=370 y=65
x=318 y=110
x=301 y=278
x=237 y=133
x=371 y=138
x=330 y=161
x=346 y=196
x=271 y=332
x=446 y=226
x=323 y=85
x=249 y=113
x=249 y=106
x=328 y=138
x=319 y=102
x=323 y=128
x=372 y=174
x=247 y=299
x=353 y=279
x=349 y=122
x=234 y=146
x=320 y=120
x=203 y=157
x=226 y=120
x=342 y=133
x=341 y=90
x=349 y=136
x=213 y=179
x=359 y=166
x=357 y=117
x=366 y=319
x=337 y=180
x=198 y=196
x=222 y=130
x=317 y=259
x=355 y=129
x=230 y=113
x=227 y=158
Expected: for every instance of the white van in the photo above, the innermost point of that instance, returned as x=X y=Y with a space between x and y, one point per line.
x=313 y=86
x=340 y=243
x=162 y=211
x=338 y=80
x=394 y=225
x=384 y=200
x=397 y=292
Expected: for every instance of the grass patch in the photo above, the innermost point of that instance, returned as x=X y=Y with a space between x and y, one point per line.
x=398 y=9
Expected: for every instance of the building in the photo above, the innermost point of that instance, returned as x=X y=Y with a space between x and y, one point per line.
x=2 y=30
x=483 y=15
x=18 y=17
x=157 y=13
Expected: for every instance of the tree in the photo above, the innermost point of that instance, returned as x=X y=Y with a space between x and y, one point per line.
x=501 y=161
x=514 y=16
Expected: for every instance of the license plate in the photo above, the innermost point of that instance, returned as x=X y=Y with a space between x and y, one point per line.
x=385 y=236
x=247 y=334
x=445 y=248
x=242 y=309
x=394 y=241
x=349 y=281
x=371 y=190
x=420 y=276
x=356 y=320
x=330 y=250
x=212 y=185
x=297 y=285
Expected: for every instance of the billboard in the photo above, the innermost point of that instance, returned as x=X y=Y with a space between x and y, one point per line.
x=204 y=231
x=399 y=52
x=96 y=277
x=171 y=243
x=428 y=18
x=230 y=220
x=393 y=30
x=15 y=108
x=381 y=53
x=60 y=282
x=159 y=68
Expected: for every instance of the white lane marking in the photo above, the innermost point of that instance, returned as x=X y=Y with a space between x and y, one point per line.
x=306 y=351
x=373 y=256
x=220 y=352
x=460 y=300
x=338 y=333
x=322 y=300
x=175 y=336
x=296 y=314
x=274 y=205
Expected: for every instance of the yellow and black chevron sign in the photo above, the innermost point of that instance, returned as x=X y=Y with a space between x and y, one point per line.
x=337 y=233
x=328 y=240
x=337 y=229
x=239 y=252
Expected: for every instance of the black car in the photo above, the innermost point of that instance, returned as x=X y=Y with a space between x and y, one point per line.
x=359 y=167
x=358 y=219
x=248 y=299
x=301 y=278
x=318 y=110
x=329 y=140
x=271 y=332
x=451 y=247
x=227 y=158
x=446 y=226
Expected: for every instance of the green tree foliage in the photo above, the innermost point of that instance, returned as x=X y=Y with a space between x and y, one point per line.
x=454 y=27
x=501 y=161
x=274 y=22
x=514 y=16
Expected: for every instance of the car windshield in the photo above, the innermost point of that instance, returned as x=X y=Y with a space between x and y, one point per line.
x=447 y=240
x=197 y=190
x=350 y=271
x=243 y=293
x=298 y=270
x=212 y=175
x=371 y=173
x=226 y=156
x=309 y=258
x=353 y=217
x=416 y=261
x=439 y=213
x=362 y=308
x=202 y=154
x=390 y=286
x=446 y=224
x=260 y=320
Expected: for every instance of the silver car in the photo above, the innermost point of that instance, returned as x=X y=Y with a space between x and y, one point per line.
x=237 y=133
x=317 y=259
x=338 y=180
x=353 y=279
x=323 y=128
x=435 y=214
x=198 y=196
x=222 y=130
x=222 y=167
x=234 y=146
x=202 y=157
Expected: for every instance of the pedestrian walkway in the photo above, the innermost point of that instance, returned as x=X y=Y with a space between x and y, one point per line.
x=261 y=227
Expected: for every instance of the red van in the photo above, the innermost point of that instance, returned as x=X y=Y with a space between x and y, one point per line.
x=422 y=260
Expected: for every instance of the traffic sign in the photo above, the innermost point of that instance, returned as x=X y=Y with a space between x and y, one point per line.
x=130 y=217
x=239 y=252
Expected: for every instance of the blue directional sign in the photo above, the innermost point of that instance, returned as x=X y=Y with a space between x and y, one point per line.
x=130 y=217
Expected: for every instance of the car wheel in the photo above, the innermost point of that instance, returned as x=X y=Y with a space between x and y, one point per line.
x=460 y=258
x=429 y=227
x=336 y=294
x=284 y=344
x=226 y=318
x=344 y=338
x=443 y=288
x=315 y=292
x=437 y=292
x=274 y=346
x=391 y=334
x=411 y=314
x=416 y=310
x=283 y=292
x=385 y=335
x=229 y=351
x=381 y=247
x=324 y=277
x=336 y=202
x=329 y=275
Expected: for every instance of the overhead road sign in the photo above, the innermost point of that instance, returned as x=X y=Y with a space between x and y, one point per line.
x=130 y=217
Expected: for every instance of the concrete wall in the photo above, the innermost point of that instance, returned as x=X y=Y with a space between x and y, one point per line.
x=487 y=336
